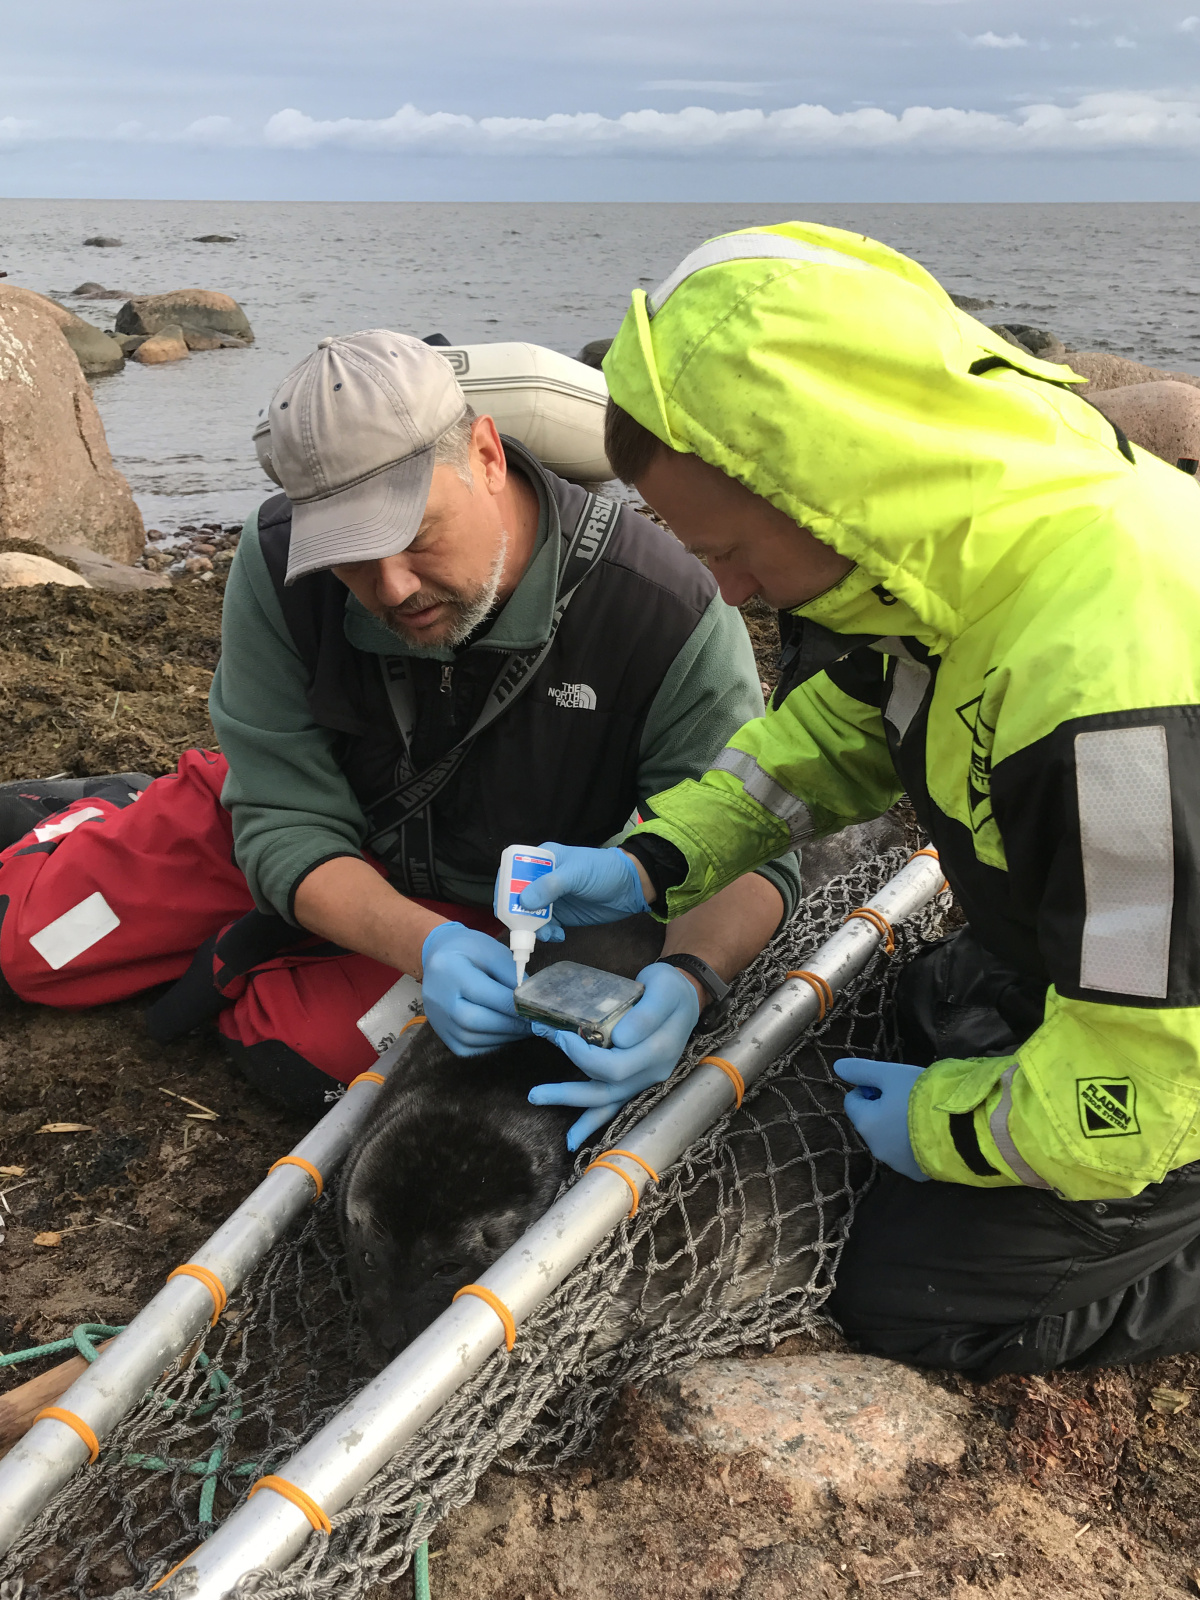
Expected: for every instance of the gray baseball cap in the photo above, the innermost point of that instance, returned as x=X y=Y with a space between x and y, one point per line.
x=352 y=435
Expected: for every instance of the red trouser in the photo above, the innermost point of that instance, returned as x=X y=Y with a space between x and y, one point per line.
x=101 y=902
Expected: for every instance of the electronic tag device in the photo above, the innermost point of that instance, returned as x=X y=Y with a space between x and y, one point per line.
x=582 y=1000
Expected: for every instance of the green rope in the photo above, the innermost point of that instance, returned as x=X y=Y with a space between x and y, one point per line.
x=421 y=1572
x=82 y=1340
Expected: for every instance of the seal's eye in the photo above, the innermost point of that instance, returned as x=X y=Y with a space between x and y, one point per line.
x=449 y=1269
x=368 y=1261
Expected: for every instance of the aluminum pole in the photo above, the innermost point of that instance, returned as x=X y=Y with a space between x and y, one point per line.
x=40 y=1463
x=269 y=1530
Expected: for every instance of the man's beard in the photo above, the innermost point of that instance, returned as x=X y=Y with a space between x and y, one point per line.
x=466 y=609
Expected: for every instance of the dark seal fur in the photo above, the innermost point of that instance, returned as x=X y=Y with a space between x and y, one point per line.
x=457 y=1164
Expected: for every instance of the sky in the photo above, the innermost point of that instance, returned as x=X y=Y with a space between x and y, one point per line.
x=783 y=100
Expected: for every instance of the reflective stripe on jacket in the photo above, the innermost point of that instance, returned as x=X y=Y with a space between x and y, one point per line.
x=1032 y=583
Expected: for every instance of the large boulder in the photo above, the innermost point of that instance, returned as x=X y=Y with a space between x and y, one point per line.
x=98 y=352
x=57 y=479
x=1105 y=371
x=199 y=312
x=823 y=1421
x=168 y=344
x=1163 y=417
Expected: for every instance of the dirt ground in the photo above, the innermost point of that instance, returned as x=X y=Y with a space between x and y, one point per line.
x=1080 y=1484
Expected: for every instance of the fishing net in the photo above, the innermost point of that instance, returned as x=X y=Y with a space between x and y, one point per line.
x=736 y=1246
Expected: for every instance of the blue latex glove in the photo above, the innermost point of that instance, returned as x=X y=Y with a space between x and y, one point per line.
x=647 y=1043
x=586 y=886
x=879 y=1110
x=467 y=989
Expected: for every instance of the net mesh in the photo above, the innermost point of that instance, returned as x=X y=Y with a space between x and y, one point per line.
x=736 y=1246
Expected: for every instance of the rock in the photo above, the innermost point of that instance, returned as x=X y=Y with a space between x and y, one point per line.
x=1162 y=416
x=57 y=479
x=1104 y=371
x=195 y=564
x=102 y=573
x=18 y=571
x=1046 y=346
x=203 y=339
x=968 y=302
x=100 y=241
x=98 y=353
x=96 y=291
x=594 y=352
x=215 y=238
x=166 y=345
x=130 y=341
x=202 y=311
x=824 y=1421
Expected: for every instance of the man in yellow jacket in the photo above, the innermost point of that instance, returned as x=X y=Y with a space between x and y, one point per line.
x=996 y=607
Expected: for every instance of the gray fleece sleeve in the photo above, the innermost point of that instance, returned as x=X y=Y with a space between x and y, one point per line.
x=711 y=688
x=291 y=805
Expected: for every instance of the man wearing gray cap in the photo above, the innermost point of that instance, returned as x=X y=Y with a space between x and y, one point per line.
x=432 y=648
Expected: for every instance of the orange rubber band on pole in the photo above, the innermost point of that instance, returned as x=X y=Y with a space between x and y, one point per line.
x=879 y=922
x=608 y=1166
x=629 y=1156
x=819 y=987
x=77 y=1425
x=302 y=1501
x=415 y=1023
x=210 y=1281
x=368 y=1077
x=497 y=1305
x=731 y=1072
x=173 y=1570
x=305 y=1166
x=936 y=857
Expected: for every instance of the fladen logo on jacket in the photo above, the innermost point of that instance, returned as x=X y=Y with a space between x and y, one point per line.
x=1107 y=1106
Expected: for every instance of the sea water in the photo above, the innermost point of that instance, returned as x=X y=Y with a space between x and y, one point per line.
x=1106 y=277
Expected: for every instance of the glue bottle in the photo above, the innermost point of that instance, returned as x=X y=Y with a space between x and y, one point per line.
x=519 y=866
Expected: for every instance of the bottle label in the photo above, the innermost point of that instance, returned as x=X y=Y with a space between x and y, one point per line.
x=524 y=870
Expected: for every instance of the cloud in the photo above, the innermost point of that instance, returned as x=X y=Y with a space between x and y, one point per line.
x=707 y=85
x=212 y=130
x=13 y=131
x=1123 y=43
x=996 y=41
x=1190 y=25
x=1124 y=120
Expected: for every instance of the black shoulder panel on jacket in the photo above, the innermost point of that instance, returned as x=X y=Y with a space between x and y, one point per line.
x=862 y=675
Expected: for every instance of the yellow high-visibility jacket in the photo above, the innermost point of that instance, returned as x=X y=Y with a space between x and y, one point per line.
x=1031 y=585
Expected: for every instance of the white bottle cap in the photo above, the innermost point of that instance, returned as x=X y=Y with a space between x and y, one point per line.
x=522 y=942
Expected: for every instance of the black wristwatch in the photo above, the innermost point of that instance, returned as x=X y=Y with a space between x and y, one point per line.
x=714 y=1012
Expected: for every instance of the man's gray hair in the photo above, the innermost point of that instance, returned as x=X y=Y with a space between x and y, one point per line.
x=453 y=449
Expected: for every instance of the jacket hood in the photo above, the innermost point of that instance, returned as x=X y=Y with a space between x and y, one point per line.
x=837 y=379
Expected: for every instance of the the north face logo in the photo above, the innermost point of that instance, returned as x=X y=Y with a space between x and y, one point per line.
x=574 y=697
x=1107 y=1106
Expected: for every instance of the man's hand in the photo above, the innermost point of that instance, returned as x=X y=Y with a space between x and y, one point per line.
x=586 y=886
x=879 y=1110
x=647 y=1043
x=467 y=990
